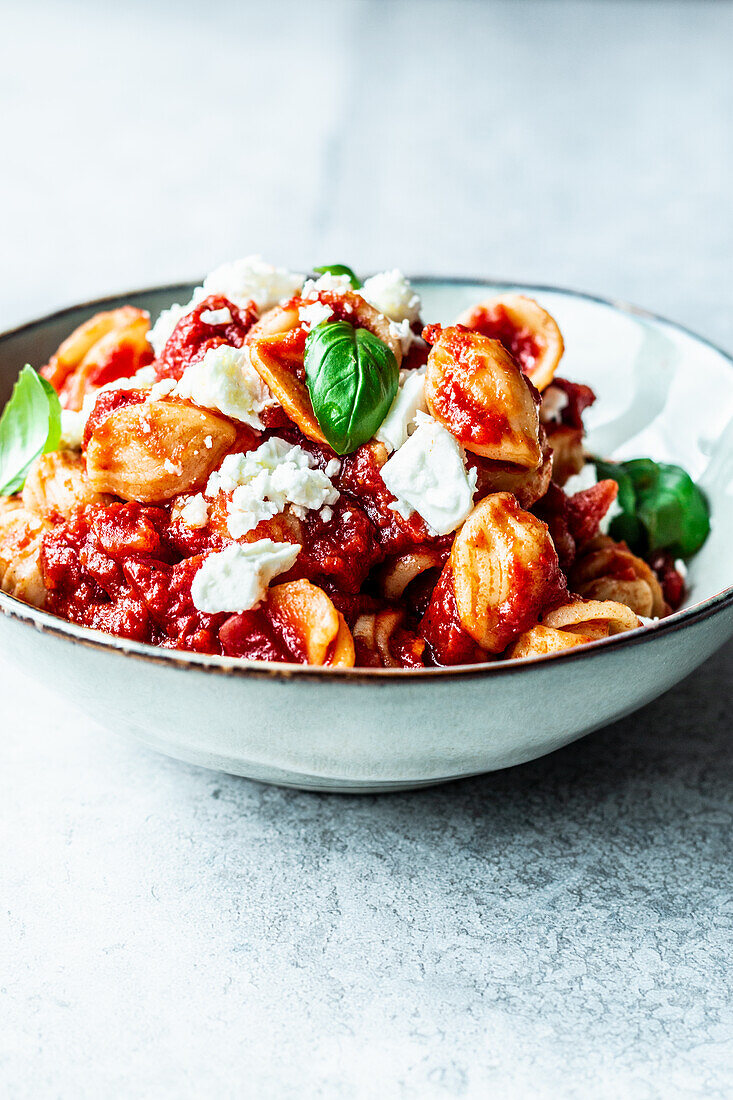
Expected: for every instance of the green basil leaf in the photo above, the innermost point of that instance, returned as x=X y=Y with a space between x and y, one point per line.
x=352 y=378
x=30 y=425
x=339 y=269
x=662 y=507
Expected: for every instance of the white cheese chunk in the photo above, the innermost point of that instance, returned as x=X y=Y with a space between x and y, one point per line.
x=252 y=280
x=586 y=479
x=73 y=424
x=226 y=382
x=554 y=400
x=392 y=294
x=337 y=284
x=236 y=578
x=241 y=281
x=221 y=316
x=315 y=313
x=409 y=401
x=263 y=482
x=679 y=566
x=193 y=510
x=427 y=475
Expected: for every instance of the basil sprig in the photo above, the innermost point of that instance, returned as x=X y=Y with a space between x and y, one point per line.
x=339 y=269
x=352 y=378
x=30 y=426
x=661 y=507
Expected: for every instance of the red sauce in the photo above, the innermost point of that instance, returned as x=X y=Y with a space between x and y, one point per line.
x=192 y=337
x=107 y=402
x=448 y=643
x=518 y=341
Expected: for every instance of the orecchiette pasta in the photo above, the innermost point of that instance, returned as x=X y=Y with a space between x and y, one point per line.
x=153 y=451
x=607 y=570
x=205 y=509
x=304 y=612
x=107 y=346
x=475 y=388
x=57 y=483
x=528 y=331
x=572 y=624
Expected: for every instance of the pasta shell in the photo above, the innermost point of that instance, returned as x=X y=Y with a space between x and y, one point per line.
x=527 y=330
x=505 y=571
x=302 y=609
x=477 y=391
x=21 y=536
x=152 y=452
x=85 y=352
x=57 y=483
x=607 y=570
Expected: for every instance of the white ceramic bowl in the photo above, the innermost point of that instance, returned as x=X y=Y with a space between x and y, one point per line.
x=661 y=392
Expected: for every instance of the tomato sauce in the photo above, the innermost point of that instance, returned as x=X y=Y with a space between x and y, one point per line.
x=192 y=337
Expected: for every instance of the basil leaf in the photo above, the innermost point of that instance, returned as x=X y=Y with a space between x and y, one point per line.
x=339 y=269
x=30 y=425
x=352 y=378
x=662 y=507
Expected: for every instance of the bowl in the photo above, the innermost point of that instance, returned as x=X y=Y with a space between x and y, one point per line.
x=662 y=392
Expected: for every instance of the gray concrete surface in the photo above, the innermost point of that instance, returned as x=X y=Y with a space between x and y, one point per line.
x=562 y=929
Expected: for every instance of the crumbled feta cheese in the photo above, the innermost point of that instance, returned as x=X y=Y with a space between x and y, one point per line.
x=314 y=313
x=409 y=400
x=401 y=331
x=264 y=481
x=346 y=515
x=164 y=388
x=647 y=622
x=194 y=511
x=333 y=467
x=221 y=316
x=578 y=483
x=225 y=381
x=391 y=293
x=252 y=280
x=236 y=578
x=586 y=479
x=73 y=424
x=326 y=514
x=241 y=281
x=171 y=467
x=208 y=442
x=679 y=565
x=427 y=475
x=554 y=400
x=337 y=284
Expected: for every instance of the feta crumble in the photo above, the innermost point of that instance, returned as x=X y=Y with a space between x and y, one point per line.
x=263 y=482
x=314 y=313
x=225 y=381
x=392 y=294
x=337 y=284
x=409 y=401
x=241 y=281
x=194 y=511
x=236 y=578
x=221 y=316
x=428 y=475
x=73 y=424
x=586 y=479
x=554 y=400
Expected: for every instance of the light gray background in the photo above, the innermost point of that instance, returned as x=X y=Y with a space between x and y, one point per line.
x=563 y=929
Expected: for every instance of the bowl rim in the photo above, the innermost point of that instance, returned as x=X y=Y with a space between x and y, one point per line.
x=50 y=624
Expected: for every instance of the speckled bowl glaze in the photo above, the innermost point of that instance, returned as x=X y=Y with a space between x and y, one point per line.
x=661 y=392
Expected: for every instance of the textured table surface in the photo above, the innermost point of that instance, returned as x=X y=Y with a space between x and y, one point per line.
x=562 y=929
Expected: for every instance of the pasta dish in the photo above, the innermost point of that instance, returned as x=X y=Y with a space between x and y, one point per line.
x=305 y=469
